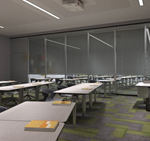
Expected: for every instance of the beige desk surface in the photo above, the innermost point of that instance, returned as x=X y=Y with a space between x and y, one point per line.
x=6 y=82
x=106 y=80
x=141 y=84
x=77 y=89
x=28 y=111
x=70 y=79
x=27 y=85
x=14 y=131
x=41 y=78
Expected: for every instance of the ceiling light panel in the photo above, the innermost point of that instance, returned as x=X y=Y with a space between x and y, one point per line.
x=141 y=2
x=43 y=10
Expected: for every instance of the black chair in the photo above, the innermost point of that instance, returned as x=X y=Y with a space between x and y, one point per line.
x=12 y=93
x=27 y=91
x=59 y=87
x=48 y=94
x=92 y=81
x=12 y=98
x=2 y=109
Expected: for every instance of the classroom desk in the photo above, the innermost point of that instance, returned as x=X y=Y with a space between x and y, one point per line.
x=105 y=82
x=28 y=111
x=14 y=131
x=7 y=82
x=77 y=90
x=21 y=89
x=143 y=90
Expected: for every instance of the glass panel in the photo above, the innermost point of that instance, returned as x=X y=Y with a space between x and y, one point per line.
x=36 y=56
x=102 y=53
x=130 y=59
x=148 y=52
x=77 y=54
x=55 y=54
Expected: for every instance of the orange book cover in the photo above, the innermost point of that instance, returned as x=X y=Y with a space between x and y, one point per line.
x=87 y=88
x=62 y=103
x=41 y=125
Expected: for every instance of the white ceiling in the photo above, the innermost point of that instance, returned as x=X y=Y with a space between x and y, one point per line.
x=19 y=18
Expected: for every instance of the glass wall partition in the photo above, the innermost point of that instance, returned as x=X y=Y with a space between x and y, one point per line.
x=148 y=50
x=55 y=54
x=130 y=59
x=77 y=54
x=36 y=55
x=102 y=57
x=101 y=53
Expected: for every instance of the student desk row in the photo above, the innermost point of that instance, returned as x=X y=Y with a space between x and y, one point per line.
x=21 y=87
x=12 y=121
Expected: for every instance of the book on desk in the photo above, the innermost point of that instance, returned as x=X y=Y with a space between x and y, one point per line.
x=62 y=103
x=41 y=125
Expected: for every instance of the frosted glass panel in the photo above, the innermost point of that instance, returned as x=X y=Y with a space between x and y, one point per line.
x=36 y=56
x=130 y=52
x=55 y=55
x=77 y=55
x=102 y=55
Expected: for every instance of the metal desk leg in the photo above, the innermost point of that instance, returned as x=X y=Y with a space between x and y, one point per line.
x=74 y=116
x=126 y=81
x=90 y=100
x=83 y=104
x=104 y=89
x=47 y=86
x=1 y=93
x=110 y=88
x=37 y=93
x=95 y=96
x=20 y=95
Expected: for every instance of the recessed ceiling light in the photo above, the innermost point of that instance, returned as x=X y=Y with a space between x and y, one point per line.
x=40 y=9
x=141 y=2
x=1 y=27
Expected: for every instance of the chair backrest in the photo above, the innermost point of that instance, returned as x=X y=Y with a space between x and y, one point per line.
x=2 y=109
x=48 y=92
x=92 y=81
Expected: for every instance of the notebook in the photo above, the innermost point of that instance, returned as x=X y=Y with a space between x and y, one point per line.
x=41 y=125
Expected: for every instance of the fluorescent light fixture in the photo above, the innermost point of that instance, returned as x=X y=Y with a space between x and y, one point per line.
x=141 y=2
x=1 y=27
x=101 y=41
x=40 y=9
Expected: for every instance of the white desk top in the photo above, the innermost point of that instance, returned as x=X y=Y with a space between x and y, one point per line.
x=70 y=79
x=9 y=81
x=56 y=77
x=106 y=80
x=22 y=86
x=28 y=111
x=14 y=131
x=41 y=78
x=141 y=84
x=77 y=89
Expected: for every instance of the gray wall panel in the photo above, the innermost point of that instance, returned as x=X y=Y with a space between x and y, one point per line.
x=4 y=58
x=19 y=59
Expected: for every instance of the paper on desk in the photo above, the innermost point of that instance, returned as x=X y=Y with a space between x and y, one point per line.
x=87 y=88
x=18 y=86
